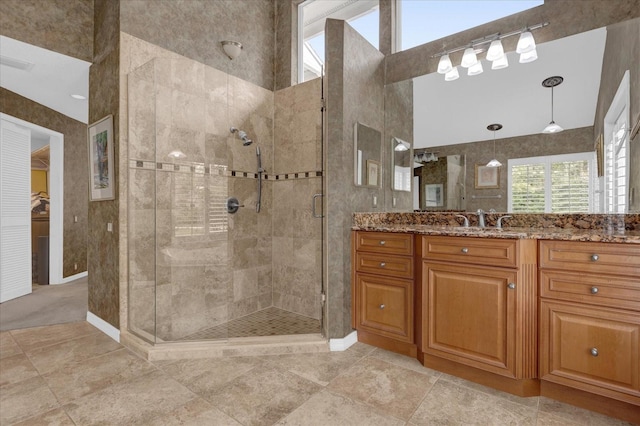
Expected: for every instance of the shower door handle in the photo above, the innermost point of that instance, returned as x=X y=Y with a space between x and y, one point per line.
x=313 y=206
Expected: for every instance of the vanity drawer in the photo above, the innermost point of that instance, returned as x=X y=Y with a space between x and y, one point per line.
x=394 y=266
x=384 y=242
x=603 y=290
x=385 y=306
x=479 y=251
x=596 y=349
x=603 y=258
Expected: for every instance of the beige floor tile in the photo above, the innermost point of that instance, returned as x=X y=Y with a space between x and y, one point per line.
x=529 y=402
x=8 y=346
x=51 y=358
x=206 y=376
x=78 y=379
x=56 y=417
x=385 y=387
x=38 y=337
x=263 y=397
x=328 y=409
x=320 y=368
x=451 y=403
x=578 y=415
x=195 y=413
x=403 y=361
x=547 y=419
x=25 y=399
x=15 y=369
x=134 y=402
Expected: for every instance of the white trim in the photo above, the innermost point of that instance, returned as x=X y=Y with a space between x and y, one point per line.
x=56 y=193
x=103 y=326
x=337 y=345
x=74 y=277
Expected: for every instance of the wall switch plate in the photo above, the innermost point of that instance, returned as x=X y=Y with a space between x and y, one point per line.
x=109 y=227
x=375 y=201
x=75 y=219
x=394 y=201
x=75 y=266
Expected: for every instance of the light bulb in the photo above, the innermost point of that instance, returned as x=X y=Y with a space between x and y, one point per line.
x=500 y=63
x=526 y=43
x=496 y=51
x=531 y=56
x=452 y=75
x=444 y=66
x=475 y=69
x=469 y=58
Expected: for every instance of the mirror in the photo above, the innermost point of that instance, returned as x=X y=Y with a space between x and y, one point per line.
x=442 y=183
x=367 y=156
x=402 y=170
x=457 y=124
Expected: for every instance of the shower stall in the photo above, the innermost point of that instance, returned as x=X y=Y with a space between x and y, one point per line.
x=196 y=271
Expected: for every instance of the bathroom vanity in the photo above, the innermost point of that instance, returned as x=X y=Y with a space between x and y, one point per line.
x=528 y=311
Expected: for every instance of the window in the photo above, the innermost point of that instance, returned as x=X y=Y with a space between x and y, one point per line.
x=553 y=184
x=424 y=21
x=616 y=151
x=362 y=15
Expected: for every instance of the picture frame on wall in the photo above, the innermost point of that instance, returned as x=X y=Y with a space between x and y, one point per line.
x=101 y=161
x=373 y=173
x=487 y=177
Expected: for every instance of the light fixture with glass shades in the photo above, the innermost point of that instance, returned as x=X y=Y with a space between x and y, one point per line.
x=552 y=82
x=492 y=44
x=425 y=156
x=400 y=145
x=494 y=127
x=231 y=48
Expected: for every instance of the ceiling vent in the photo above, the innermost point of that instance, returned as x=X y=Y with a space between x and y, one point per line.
x=16 y=63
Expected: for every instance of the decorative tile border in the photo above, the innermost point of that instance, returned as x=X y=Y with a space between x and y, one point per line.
x=218 y=170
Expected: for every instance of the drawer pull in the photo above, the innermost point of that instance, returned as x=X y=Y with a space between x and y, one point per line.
x=464 y=250
x=382 y=264
x=382 y=242
x=382 y=306
x=594 y=290
x=594 y=351
x=511 y=286
x=595 y=257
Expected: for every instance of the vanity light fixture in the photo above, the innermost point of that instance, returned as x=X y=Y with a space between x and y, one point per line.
x=552 y=82
x=425 y=157
x=231 y=48
x=492 y=44
x=494 y=127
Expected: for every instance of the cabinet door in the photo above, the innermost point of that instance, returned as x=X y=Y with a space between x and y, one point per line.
x=469 y=315
x=594 y=349
x=385 y=306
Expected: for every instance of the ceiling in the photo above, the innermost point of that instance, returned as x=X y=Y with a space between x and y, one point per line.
x=454 y=112
x=50 y=80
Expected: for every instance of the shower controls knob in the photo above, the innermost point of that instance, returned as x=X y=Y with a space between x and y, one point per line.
x=233 y=205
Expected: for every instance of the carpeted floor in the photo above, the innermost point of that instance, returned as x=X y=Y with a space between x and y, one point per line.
x=47 y=305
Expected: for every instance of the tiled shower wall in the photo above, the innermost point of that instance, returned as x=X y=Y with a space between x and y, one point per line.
x=192 y=265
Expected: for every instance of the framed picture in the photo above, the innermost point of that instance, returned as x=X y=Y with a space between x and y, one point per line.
x=433 y=195
x=487 y=177
x=600 y=154
x=101 y=162
x=373 y=173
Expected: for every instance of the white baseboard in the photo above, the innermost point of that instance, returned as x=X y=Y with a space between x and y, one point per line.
x=337 y=345
x=72 y=278
x=103 y=326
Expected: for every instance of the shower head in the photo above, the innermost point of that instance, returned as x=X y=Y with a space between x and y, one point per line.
x=242 y=135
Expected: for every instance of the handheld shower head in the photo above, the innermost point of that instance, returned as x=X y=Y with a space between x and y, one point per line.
x=242 y=135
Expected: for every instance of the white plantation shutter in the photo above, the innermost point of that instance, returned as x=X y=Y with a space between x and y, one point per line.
x=570 y=187
x=528 y=188
x=15 y=211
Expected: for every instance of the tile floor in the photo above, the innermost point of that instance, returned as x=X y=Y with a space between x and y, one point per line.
x=73 y=374
x=267 y=322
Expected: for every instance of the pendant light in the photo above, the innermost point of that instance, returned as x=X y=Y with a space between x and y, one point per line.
x=552 y=82
x=444 y=66
x=496 y=51
x=469 y=58
x=494 y=127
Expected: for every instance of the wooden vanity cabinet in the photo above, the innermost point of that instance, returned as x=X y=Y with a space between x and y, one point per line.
x=590 y=318
x=479 y=304
x=383 y=290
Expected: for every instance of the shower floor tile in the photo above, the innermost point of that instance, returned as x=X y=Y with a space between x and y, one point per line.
x=267 y=322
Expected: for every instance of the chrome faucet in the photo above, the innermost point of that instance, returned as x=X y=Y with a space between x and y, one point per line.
x=480 y=214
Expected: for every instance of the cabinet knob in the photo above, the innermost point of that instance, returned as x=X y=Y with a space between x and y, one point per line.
x=511 y=286
x=382 y=306
x=464 y=250
x=594 y=351
x=595 y=257
x=382 y=264
x=594 y=290
x=382 y=242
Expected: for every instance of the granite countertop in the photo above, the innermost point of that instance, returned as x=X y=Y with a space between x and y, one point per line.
x=567 y=234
